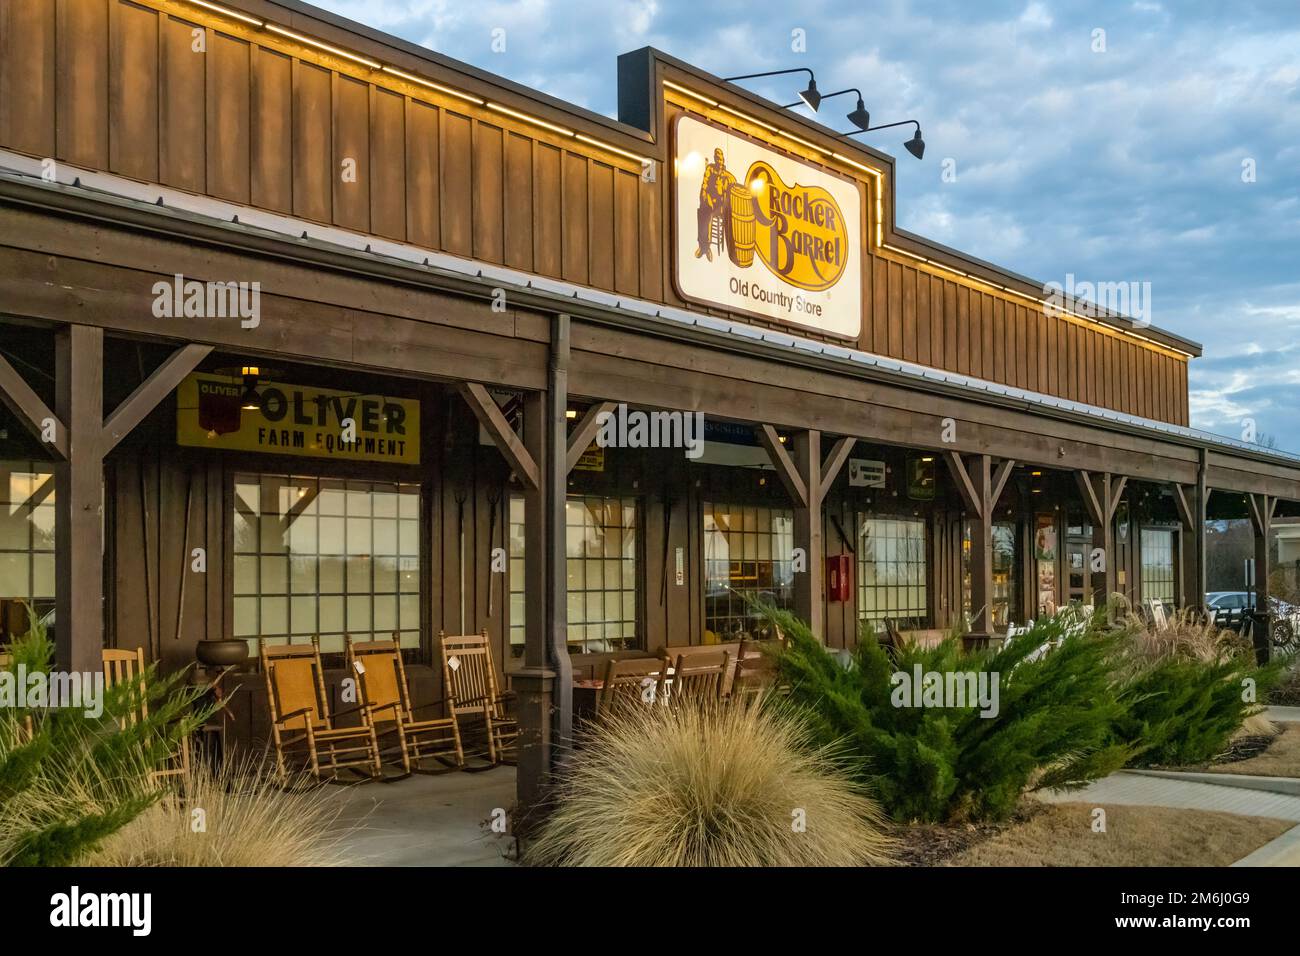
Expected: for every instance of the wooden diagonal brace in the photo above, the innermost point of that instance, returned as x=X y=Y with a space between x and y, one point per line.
x=503 y=436
x=31 y=412
x=965 y=487
x=150 y=393
x=835 y=463
x=585 y=432
x=785 y=466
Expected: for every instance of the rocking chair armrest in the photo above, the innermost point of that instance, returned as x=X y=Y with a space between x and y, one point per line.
x=285 y=718
x=359 y=709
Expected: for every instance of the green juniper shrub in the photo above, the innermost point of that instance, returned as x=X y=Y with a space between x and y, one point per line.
x=1053 y=725
x=1180 y=710
x=67 y=780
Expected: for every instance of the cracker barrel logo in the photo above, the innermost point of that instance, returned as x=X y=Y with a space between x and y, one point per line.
x=797 y=231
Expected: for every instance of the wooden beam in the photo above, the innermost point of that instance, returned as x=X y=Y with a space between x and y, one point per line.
x=503 y=436
x=840 y=452
x=972 y=500
x=1184 y=509
x=1000 y=481
x=1096 y=513
x=150 y=393
x=1116 y=494
x=21 y=399
x=1257 y=520
x=585 y=432
x=785 y=466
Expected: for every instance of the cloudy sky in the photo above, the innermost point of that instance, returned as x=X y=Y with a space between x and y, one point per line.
x=1116 y=141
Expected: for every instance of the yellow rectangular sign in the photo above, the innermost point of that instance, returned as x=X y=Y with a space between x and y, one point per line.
x=297 y=420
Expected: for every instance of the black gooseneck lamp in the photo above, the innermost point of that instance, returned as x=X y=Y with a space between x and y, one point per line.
x=809 y=96
x=859 y=117
x=915 y=145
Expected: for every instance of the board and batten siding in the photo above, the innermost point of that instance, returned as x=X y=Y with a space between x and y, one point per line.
x=256 y=119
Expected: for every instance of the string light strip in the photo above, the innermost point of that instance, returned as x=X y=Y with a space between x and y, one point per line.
x=878 y=181
x=419 y=80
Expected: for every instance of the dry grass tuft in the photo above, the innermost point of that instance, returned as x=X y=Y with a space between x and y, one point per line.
x=708 y=786
x=1188 y=636
x=248 y=821
x=1061 y=834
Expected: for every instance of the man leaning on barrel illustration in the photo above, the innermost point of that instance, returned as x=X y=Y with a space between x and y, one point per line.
x=715 y=203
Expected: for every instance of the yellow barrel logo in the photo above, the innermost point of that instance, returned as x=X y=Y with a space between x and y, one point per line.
x=800 y=233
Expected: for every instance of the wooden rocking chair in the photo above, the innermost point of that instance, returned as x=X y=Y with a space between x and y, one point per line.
x=125 y=667
x=631 y=682
x=381 y=676
x=301 y=725
x=470 y=682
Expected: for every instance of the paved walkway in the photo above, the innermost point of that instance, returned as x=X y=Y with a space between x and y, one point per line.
x=427 y=820
x=1142 y=789
x=1284 y=714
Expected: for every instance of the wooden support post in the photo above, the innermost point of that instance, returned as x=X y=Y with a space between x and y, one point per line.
x=79 y=500
x=1186 y=500
x=980 y=486
x=83 y=439
x=807 y=479
x=1262 y=507
x=1101 y=495
x=1203 y=492
x=544 y=685
x=809 y=587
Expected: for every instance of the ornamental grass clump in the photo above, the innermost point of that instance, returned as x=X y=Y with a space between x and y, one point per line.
x=232 y=815
x=739 y=784
x=69 y=777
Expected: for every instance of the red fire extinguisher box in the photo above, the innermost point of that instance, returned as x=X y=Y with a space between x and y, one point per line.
x=839 y=577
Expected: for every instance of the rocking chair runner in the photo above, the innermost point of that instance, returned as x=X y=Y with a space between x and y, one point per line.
x=301 y=724
x=381 y=675
x=124 y=667
x=470 y=679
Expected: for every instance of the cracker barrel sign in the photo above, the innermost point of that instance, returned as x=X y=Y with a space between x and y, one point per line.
x=296 y=420
x=760 y=232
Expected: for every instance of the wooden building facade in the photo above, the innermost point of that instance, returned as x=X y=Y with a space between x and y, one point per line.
x=475 y=276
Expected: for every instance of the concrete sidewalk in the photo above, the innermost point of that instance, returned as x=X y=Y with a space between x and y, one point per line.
x=428 y=820
x=1151 y=790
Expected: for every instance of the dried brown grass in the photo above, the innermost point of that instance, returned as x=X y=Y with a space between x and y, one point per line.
x=708 y=785
x=1061 y=834
x=247 y=820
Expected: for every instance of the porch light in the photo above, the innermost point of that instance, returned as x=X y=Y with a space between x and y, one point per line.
x=570 y=413
x=250 y=401
x=810 y=96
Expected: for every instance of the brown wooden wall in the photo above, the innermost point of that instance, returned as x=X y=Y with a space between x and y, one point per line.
x=257 y=119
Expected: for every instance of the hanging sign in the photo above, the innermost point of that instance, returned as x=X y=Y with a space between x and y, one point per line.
x=760 y=232
x=296 y=420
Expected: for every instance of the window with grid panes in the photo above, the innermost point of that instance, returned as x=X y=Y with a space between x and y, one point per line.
x=748 y=551
x=891 y=570
x=327 y=557
x=602 y=568
x=1158 y=562
x=26 y=545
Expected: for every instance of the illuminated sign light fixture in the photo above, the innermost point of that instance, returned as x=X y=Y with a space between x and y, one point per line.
x=877 y=179
x=413 y=78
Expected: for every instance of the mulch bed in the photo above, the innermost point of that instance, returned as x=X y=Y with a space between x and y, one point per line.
x=1244 y=748
x=930 y=844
